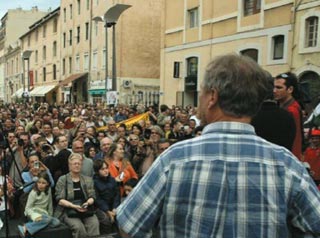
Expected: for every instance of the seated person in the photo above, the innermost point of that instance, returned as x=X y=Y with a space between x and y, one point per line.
x=39 y=207
x=108 y=196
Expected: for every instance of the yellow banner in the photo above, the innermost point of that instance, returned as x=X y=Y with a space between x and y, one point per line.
x=129 y=122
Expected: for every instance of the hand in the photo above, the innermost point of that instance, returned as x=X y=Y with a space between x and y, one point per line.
x=38 y=218
x=118 y=179
x=79 y=208
x=111 y=215
x=42 y=166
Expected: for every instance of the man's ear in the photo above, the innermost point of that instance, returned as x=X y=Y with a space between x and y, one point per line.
x=290 y=89
x=213 y=99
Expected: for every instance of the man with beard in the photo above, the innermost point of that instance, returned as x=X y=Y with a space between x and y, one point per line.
x=228 y=182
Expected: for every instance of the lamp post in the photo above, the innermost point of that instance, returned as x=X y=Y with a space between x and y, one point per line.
x=26 y=56
x=110 y=19
x=101 y=19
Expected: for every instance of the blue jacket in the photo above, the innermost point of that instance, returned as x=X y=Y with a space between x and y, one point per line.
x=107 y=193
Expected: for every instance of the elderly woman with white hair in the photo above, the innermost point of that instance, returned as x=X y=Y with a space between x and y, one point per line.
x=75 y=194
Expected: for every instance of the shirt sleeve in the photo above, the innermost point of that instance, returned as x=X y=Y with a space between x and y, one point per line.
x=305 y=210
x=27 y=179
x=139 y=212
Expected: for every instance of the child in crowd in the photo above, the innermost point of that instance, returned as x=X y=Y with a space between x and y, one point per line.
x=39 y=207
x=129 y=185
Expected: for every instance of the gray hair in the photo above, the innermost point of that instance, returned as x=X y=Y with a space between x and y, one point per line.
x=240 y=82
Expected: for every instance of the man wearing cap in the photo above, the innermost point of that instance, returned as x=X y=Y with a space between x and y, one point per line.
x=286 y=92
x=312 y=155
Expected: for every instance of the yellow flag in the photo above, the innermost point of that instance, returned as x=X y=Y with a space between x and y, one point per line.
x=129 y=122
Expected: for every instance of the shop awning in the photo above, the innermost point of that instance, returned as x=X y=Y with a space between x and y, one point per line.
x=17 y=93
x=72 y=78
x=41 y=91
x=97 y=91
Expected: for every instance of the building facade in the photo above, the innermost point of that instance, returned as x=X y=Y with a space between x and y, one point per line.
x=269 y=31
x=40 y=49
x=13 y=24
x=137 y=56
x=68 y=53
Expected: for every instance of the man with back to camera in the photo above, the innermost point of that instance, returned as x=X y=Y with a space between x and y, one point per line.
x=286 y=92
x=228 y=182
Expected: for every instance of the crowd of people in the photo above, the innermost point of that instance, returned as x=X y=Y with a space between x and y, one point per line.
x=77 y=164
x=86 y=156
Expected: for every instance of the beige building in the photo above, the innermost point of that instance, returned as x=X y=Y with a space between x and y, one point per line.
x=13 y=24
x=83 y=51
x=306 y=48
x=41 y=45
x=68 y=53
x=194 y=32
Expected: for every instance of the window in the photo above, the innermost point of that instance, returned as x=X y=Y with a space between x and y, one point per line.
x=87 y=30
x=36 y=56
x=96 y=28
x=54 y=71
x=278 y=47
x=63 y=66
x=88 y=4
x=104 y=59
x=251 y=7
x=70 y=7
x=94 y=60
x=64 y=14
x=192 y=66
x=86 y=62
x=17 y=65
x=64 y=40
x=29 y=39
x=191 y=80
x=37 y=35
x=70 y=65
x=311 y=31
x=44 y=30
x=176 y=70
x=36 y=76
x=55 y=25
x=70 y=37
x=77 y=63
x=97 y=2
x=78 y=34
x=79 y=7
x=252 y=53
x=193 y=17
x=44 y=52
x=54 y=49
x=44 y=76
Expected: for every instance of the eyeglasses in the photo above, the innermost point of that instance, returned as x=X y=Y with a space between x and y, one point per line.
x=131 y=139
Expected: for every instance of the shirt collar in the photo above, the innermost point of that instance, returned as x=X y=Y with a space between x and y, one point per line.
x=229 y=127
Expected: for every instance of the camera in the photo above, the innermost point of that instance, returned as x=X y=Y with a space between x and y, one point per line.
x=20 y=142
x=147 y=133
x=36 y=165
x=46 y=148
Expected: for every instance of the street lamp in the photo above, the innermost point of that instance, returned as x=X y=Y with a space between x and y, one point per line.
x=110 y=19
x=26 y=56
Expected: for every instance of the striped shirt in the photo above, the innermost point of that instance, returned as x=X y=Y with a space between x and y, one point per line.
x=226 y=183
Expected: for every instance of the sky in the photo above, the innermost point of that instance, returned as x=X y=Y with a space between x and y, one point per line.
x=27 y=5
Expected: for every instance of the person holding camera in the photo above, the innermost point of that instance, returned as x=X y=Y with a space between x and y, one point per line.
x=35 y=167
x=29 y=177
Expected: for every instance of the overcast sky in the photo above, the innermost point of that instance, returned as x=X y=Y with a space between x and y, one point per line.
x=27 y=5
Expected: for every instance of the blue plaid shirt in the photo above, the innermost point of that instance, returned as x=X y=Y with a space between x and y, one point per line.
x=226 y=183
